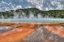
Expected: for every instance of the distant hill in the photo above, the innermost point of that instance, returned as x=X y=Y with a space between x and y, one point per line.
x=31 y=13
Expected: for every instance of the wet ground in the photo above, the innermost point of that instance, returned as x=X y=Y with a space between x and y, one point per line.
x=26 y=32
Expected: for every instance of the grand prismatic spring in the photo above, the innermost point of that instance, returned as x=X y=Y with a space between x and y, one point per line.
x=31 y=20
x=32 y=31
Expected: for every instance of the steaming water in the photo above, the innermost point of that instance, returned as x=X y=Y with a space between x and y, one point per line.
x=32 y=18
x=44 y=20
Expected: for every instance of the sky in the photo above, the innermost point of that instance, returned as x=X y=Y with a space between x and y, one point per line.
x=6 y=5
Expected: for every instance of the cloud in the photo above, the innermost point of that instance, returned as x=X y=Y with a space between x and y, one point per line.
x=40 y=4
x=37 y=3
x=23 y=3
x=57 y=5
x=4 y=6
x=18 y=7
x=48 y=4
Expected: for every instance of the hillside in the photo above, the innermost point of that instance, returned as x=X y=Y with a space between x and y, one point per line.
x=31 y=13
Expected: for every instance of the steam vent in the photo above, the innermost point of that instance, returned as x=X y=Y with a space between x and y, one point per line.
x=31 y=32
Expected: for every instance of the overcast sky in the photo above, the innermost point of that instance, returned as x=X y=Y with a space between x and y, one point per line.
x=40 y=4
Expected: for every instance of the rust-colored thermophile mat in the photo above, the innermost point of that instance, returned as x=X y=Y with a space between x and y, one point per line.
x=26 y=32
